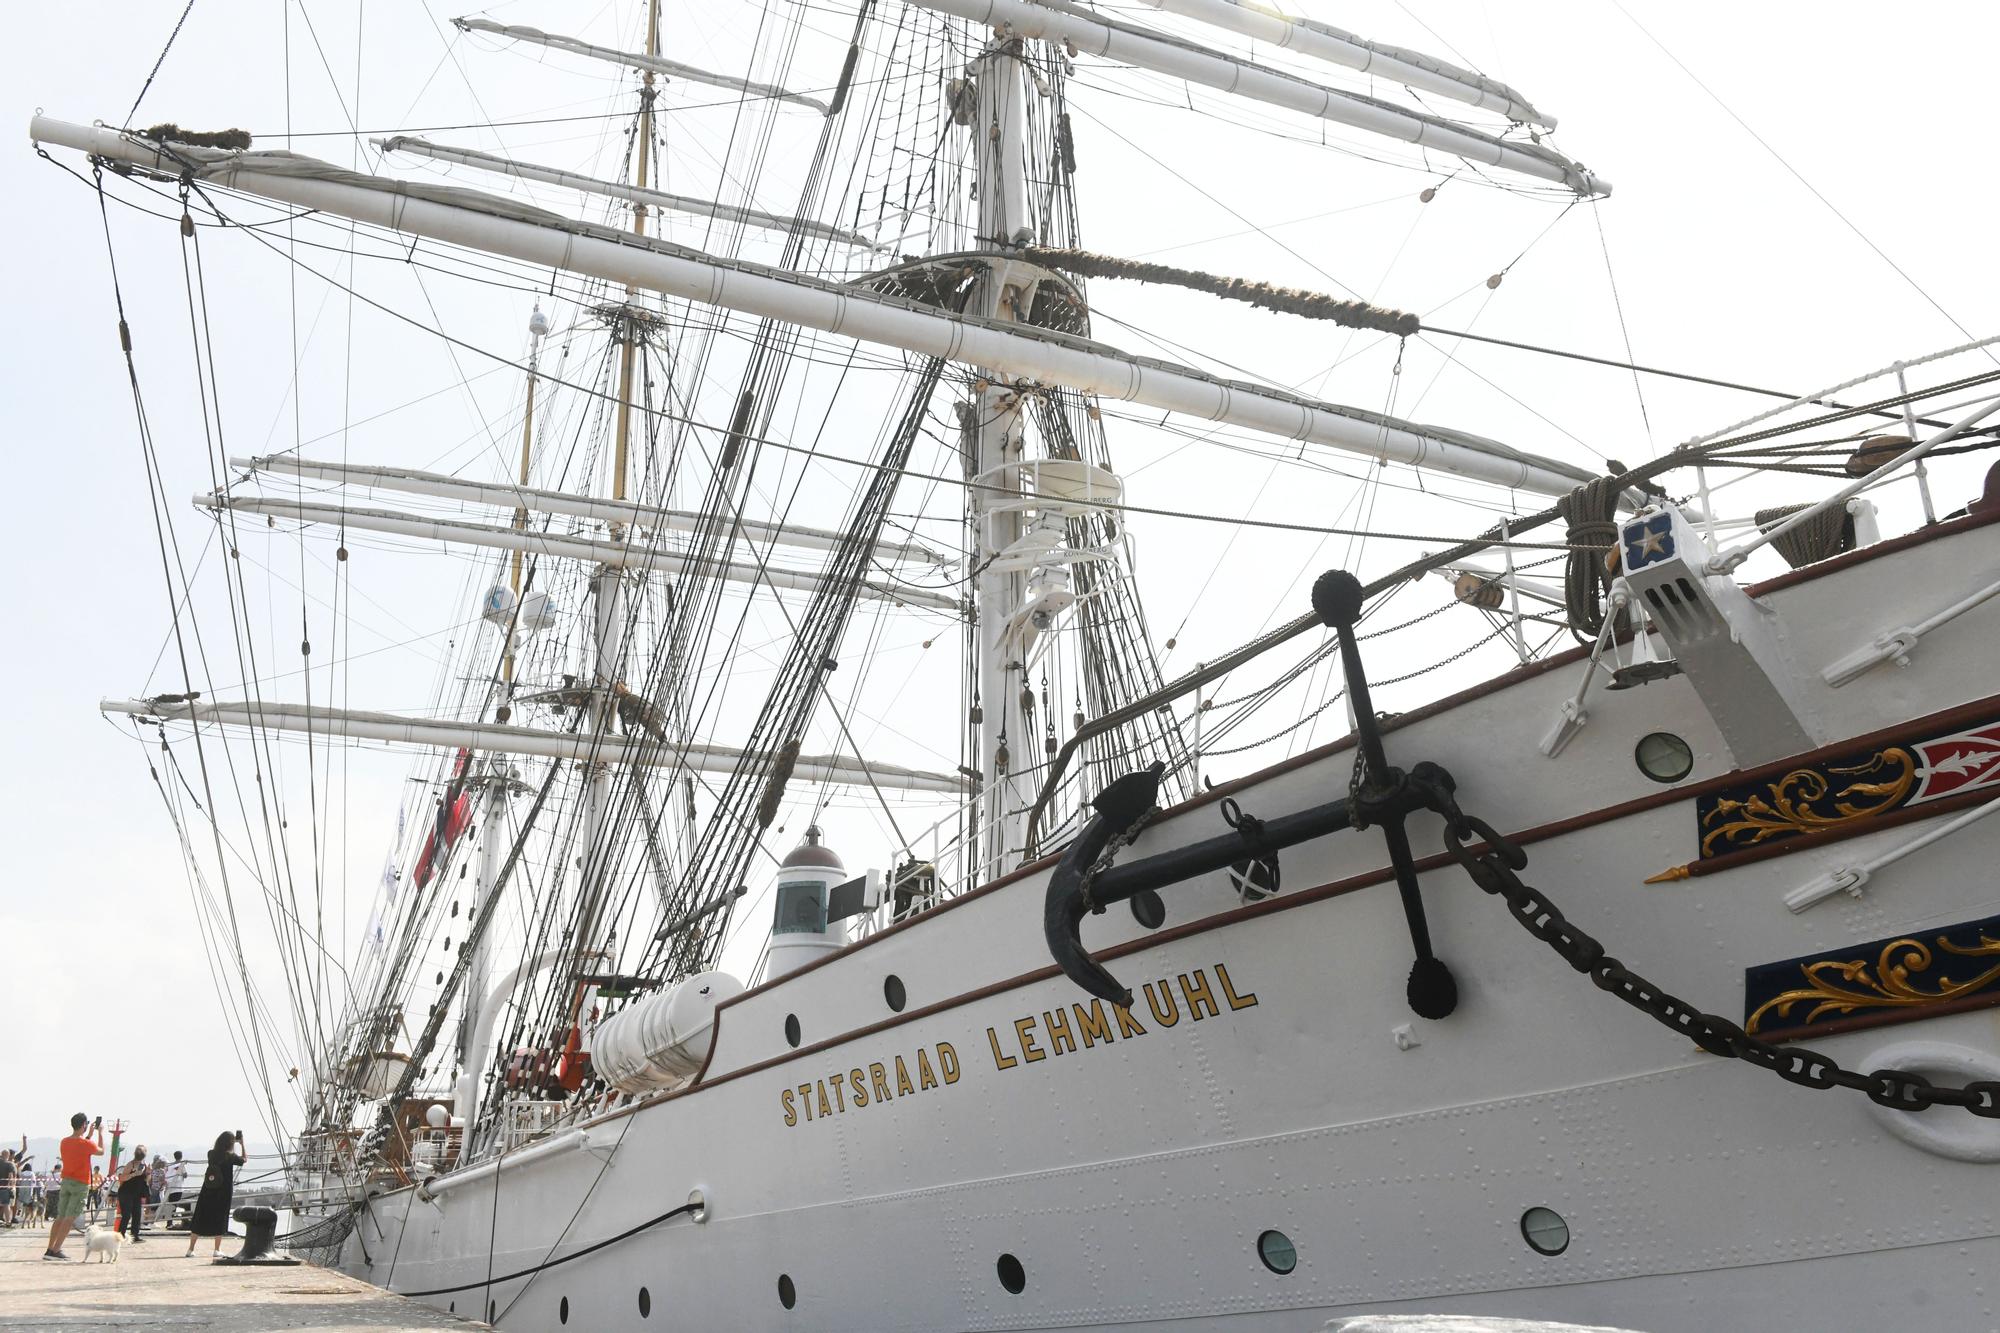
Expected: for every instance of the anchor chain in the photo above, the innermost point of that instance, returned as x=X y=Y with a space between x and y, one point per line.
x=1495 y=870
x=1108 y=857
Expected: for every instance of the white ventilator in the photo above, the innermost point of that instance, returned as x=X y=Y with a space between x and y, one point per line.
x=802 y=929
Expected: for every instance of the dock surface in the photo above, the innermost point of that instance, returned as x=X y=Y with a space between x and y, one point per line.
x=156 y=1285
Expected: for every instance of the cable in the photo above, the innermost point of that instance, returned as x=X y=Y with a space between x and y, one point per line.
x=159 y=62
x=626 y=1234
x=1810 y=187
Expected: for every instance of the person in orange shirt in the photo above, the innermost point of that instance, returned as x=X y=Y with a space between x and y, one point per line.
x=76 y=1152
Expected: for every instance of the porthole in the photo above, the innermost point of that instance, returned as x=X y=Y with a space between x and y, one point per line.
x=791 y=1029
x=1663 y=756
x=1275 y=1248
x=893 y=992
x=1545 y=1231
x=645 y=1304
x=788 y=1295
x=1012 y=1276
x=562 y=1311
x=1148 y=909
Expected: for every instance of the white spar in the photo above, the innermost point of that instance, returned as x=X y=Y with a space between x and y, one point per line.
x=619 y=555
x=636 y=60
x=503 y=738
x=1002 y=349
x=1211 y=69
x=576 y=180
x=631 y=513
x=1322 y=42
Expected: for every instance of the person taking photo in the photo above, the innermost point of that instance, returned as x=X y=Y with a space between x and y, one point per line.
x=76 y=1152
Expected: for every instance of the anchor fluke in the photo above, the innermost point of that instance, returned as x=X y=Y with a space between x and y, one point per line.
x=1119 y=806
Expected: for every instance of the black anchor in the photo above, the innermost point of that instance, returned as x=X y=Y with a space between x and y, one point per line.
x=1385 y=795
x=1381 y=795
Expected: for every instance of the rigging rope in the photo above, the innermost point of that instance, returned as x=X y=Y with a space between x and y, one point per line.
x=156 y=492
x=1591 y=512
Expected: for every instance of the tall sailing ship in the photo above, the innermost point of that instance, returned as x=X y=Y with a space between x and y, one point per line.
x=798 y=493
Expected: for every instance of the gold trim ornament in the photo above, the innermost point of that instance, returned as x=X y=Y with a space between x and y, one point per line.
x=1845 y=789
x=1809 y=800
x=1893 y=974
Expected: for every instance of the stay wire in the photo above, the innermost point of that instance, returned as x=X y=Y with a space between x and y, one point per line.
x=1624 y=331
x=1812 y=189
x=155 y=72
x=156 y=489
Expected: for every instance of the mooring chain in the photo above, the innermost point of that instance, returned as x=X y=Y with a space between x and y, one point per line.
x=1119 y=842
x=1495 y=870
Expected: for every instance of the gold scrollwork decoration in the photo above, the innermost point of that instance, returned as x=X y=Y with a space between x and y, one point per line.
x=1843 y=986
x=1805 y=801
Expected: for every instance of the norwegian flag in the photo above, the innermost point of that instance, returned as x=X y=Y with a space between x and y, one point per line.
x=454 y=813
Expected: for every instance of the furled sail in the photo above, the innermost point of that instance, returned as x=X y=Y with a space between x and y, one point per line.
x=539 y=500
x=576 y=180
x=1325 y=42
x=501 y=226
x=1196 y=64
x=393 y=728
x=520 y=32
x=615 y=554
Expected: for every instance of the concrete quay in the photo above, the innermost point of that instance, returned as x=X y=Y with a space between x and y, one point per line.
x=154 y=1285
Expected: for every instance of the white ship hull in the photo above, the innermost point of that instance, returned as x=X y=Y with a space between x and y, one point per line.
x=1131 y=1175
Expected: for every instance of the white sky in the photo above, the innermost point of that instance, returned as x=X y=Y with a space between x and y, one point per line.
x=1725 y=265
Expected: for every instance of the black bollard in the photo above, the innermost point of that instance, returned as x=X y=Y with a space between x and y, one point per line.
x=260 y=1234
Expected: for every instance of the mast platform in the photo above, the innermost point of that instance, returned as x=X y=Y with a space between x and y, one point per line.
x=156 y=1284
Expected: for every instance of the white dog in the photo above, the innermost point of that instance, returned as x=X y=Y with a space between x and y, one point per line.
x=99 y=1241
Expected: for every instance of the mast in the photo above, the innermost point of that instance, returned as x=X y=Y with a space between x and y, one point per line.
x=538 y=325
x=995 y=439
x=629 y=328
x=608 y=587
x=498 y=780
x=472 y=1050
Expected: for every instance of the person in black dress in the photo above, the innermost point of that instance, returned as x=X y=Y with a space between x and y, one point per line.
x=211 y=1206
x=133 y=1180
